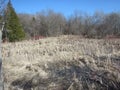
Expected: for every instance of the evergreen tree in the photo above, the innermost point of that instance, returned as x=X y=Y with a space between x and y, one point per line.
x=15 y=30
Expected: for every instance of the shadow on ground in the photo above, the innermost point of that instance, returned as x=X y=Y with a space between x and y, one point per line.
x=69 y=76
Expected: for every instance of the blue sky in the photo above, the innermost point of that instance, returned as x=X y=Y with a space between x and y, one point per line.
x=67 y=7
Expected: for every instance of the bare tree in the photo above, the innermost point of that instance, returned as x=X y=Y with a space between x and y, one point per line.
x=42 y=26
x=97 y=22
x=56 y=21
x=50 y=23
x=2 y=12
x=112 y=22
x=27 y=23
x=75 y=23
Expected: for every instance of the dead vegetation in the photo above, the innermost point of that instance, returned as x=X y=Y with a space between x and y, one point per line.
x=62 y=63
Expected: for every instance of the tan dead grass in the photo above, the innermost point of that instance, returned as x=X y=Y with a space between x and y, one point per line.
x=30 y=58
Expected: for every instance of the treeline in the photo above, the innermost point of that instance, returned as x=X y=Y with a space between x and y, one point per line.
x=49 y=23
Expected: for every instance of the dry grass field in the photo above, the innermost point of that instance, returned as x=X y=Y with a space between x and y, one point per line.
x=62 y=63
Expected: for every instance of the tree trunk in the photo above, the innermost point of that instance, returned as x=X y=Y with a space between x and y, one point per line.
x=1 y=78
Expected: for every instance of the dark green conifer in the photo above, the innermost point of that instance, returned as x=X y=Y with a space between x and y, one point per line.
x=15 y=30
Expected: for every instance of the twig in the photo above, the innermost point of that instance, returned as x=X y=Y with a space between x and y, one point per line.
x=70 y=86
